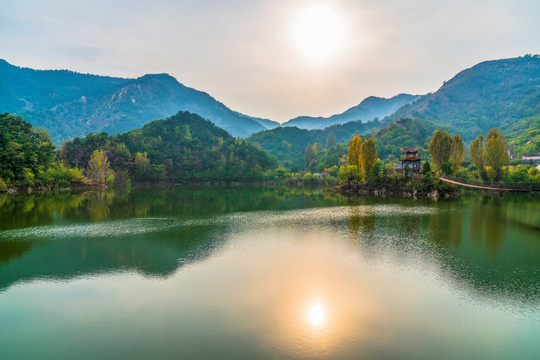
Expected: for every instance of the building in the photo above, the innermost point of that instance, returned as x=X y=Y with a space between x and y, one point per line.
x=411 y=160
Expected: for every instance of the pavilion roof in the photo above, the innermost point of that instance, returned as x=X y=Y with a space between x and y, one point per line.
x=410 y=151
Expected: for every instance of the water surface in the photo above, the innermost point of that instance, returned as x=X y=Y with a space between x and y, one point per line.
x=248 y=273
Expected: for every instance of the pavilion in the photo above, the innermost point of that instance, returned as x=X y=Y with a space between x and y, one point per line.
x=411 y=159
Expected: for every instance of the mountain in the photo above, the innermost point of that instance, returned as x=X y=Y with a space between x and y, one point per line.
x=183 y=148
x=494 y=93
x=369 y=109
x=287 y=143
x=69 y=104
x=402 y=134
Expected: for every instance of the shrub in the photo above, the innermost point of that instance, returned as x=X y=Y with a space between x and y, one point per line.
x=3 y=186
x=446 y=168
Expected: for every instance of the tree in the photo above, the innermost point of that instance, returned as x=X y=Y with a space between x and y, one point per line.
x=330 y=140
x=286 y=147
x=476 y=152
x=457 y=152
x=310 y=154
x=142 y=164
x=368 y=156
x=355 y=150
x=24 y=150
x=440 y=148
x=496 y=153
x=98 y=167
x=426 y=168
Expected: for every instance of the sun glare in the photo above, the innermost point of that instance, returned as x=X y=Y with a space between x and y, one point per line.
x=316 y=314
x=318 y=32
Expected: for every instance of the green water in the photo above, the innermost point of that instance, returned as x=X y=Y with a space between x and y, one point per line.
x=245 y=273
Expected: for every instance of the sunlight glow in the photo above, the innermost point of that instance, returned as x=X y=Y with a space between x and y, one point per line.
x=318 y=33
x=316 y=314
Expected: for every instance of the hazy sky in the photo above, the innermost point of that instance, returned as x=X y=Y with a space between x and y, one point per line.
x=249 y=55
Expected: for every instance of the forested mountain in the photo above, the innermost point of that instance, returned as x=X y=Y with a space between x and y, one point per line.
x=287 y=144
x=182 y=148
x=369 y=109
x=69 y=104
x=491 y=94
x=402 y=134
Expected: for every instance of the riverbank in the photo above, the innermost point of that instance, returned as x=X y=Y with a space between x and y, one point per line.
x=398 y=189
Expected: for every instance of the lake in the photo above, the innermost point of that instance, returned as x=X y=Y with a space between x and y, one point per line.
x=250 y=273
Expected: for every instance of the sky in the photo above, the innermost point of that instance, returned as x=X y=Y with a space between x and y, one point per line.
x=274 y=59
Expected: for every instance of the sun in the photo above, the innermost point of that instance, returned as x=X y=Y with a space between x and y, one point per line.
x=316 y=314
x=318 y=32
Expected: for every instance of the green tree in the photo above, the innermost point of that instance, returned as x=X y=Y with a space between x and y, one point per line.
x=457 y=152
x=23 y=147
x=476 y=152
x=355 y=151
x=426 y=168
x=368 y=156
x=330 y=140
x=286 y=147
x=496 y=152
x=98 y=167
x=440 y=148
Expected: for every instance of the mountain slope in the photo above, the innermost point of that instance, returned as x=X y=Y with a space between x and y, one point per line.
x=287 y=143
x=181 y=148
x=369 y=109
x=491 y=94
x=69 y=104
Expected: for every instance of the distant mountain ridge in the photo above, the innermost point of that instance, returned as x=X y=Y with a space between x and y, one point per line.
x=369 y=109
x=69 y=104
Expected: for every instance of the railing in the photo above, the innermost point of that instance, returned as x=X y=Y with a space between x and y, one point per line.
x=510 y=186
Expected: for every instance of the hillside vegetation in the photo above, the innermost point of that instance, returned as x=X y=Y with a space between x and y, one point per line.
x=182 y=148
x=288 y=144
x=491 y=94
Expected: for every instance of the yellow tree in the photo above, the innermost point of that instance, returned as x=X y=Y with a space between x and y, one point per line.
x=457 y=152
x=476 y=152
x=355 y=151
x=142 y=164
x=440 y=147
x=98 y=167
x=310 y=154
x=368 y=156
x=496 y=154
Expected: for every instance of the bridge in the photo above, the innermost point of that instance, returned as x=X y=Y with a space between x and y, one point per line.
x=516 y=187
